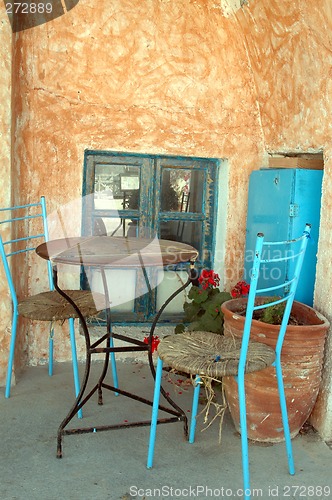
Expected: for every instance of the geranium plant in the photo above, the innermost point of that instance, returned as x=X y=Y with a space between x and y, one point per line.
x=272 y=314
x=203 y=312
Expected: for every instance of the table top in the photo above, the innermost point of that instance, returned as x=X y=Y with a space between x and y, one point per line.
x=116 y=252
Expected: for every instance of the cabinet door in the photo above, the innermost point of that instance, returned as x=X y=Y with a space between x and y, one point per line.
x=280 y=202
x=306 y=208
x=269 y=199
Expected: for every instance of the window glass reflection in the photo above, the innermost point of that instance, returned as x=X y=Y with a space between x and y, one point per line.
x=181 y=190
x=184 y=231
x=116 y=187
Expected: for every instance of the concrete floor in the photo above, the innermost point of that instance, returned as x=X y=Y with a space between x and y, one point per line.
x=111 y=465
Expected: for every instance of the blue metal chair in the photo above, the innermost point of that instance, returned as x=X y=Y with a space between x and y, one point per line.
x=20 y=236
x=207 y=355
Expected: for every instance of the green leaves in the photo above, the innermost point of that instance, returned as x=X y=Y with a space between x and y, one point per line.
x=203 y=313
x=198 y=295
x=180 y=328
x=273 y=314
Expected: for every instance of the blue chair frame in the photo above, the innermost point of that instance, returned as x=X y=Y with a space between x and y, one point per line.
x=295 y=251
x=11 y=247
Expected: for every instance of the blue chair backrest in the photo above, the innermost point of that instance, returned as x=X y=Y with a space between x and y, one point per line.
x=17 y=222
x=277 y=252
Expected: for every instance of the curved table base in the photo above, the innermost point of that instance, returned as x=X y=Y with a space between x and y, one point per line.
x=177 y=414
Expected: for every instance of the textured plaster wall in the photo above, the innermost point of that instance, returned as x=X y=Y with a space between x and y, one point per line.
x=156 y=77
x=290 y=48
x=5 y=169
x=175 y=77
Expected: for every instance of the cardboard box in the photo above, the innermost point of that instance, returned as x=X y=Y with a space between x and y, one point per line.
x=314 y=163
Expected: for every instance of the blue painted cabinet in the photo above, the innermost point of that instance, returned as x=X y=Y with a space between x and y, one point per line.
x=280 y=202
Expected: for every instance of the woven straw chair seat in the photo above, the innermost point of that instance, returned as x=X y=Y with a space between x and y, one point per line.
x=51 y=306
x=212 y=355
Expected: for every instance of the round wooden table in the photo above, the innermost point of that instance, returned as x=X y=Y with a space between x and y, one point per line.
x=108 y=251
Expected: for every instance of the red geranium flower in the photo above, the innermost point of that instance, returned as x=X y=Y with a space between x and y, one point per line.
x=209 y=278
x=154 y=344
x=241 y=289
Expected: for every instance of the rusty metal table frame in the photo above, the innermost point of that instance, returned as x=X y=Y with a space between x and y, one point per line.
x=97 y=251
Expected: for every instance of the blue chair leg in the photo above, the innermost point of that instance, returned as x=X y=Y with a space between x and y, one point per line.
x=50 y=351
x=284 y=416
x=154 y=418
x=114 y=370
x=74 y=362
x=244 y=436
x=11 y=354
x=194 y=409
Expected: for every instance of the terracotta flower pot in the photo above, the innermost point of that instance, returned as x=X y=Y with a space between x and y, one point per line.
x=302 y=358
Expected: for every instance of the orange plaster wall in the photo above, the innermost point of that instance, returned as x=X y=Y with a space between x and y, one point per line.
x=173 y=77
x=289 y=46
x=157 y=77
x=5 y=177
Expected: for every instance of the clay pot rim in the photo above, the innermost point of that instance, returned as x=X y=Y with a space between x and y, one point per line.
x=318 y=320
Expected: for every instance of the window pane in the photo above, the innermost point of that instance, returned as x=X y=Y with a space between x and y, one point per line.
x=184 y=231
x=115 y=185
x=115 y=226
x=122 y=295
x=170 y=283
x=181 y=190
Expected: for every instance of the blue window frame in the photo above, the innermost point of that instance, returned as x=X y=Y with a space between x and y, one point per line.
x=142 y=195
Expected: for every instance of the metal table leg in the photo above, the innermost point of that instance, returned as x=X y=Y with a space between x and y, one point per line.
x=175 y=412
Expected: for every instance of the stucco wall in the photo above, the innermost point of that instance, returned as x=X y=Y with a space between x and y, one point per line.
x=5 y=166
x=174 y=77
x=289 y=47
x=157 y=77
